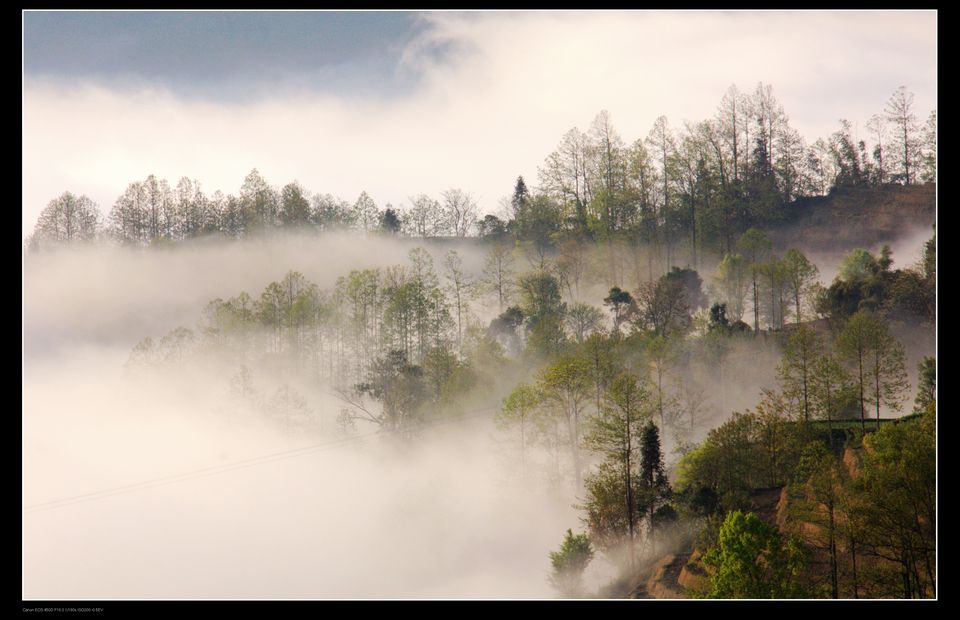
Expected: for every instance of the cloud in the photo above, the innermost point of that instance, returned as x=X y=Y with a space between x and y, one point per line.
x=496 y=91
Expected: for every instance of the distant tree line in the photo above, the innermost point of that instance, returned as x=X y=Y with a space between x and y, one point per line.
x=703 y=184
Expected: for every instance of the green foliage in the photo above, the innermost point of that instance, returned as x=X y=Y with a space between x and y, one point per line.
x=732 y=279
x=857 y=265
x=618 y=301
x=542 y=305
x=752 y=450
x=803 y=349
x=894 y=504
x=926 y=385
x=569 y=562
x=751 y=560
x=800 y=276
x=876 y=360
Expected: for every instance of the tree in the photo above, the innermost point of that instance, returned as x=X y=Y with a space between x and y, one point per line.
x=329 y=213
x=796 y=369
x=877 y=128
x=460 y=286
x=928 y=155
x=663 y=143
x=542 y=304
x=820 y=483
x=390 y=221
x=537 y=222
x=857 y=265
x=67 y=219
x=801 y=275
x=877 y=360
x=618 y=301
x=616 y=434
x=754 y=245
x=426 y=218
x=569 y=562
x=258 y=202
x=566 y=384
x=830 y=389
x=853 y=344
x=662 y=307
x=927 y=385
x=519 y=406
x=692 y=285
x=899 y=113
x=294 y=206
x=731 y=279
x=894 y=504
x=498 y=273
x=365 y=214
x=520 y=197
x=752 y=561
x=848 y=166
x=654 y=489
x=460 y=210
x=888 y=385
x=398 y=385
x=571 y=265
x=492 y=227
x=583 y=320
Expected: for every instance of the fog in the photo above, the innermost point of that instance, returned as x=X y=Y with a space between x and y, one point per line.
x=352 y=519
x=360 y=518
x=158 y=485
x=114 y=295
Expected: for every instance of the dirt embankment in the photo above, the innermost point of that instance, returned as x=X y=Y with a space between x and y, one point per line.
x=860 y=217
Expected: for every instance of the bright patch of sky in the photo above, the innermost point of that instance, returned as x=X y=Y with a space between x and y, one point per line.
x=401 y=103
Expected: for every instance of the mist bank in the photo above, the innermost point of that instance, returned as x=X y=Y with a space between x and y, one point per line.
x=363 y=519
x=116 y=295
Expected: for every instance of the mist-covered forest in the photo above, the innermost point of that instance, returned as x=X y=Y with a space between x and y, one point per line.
x=697 y=364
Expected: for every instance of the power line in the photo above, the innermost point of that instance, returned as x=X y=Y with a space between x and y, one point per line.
x=227 y=467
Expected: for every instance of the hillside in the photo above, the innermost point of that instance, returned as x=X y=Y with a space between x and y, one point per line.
x=857 y=217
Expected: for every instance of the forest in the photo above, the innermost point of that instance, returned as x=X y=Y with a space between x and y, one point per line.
x=734 y=413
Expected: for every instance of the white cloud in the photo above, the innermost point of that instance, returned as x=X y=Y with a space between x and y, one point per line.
x=491 y=106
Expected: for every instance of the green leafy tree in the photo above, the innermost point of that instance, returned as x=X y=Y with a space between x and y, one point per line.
x=751 y=560
x=294 y=206
x=800 y=275
x=731 y=278
x=831 y=390
x=616 y=434
x=796 y=369
x=565 y=385
x=896 y=508
x=857 y=265
x=569 y=563
x=518 y=409
x=926 y=385
x=542 y=304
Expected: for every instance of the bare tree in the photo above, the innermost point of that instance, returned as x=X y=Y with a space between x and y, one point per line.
x=461 y=211
x=899 y=112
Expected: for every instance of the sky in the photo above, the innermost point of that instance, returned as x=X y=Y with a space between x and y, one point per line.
x=399 y=103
